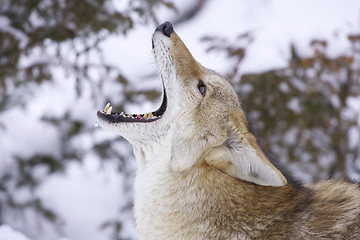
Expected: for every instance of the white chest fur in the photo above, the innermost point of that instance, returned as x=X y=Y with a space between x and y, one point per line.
x=171 y=205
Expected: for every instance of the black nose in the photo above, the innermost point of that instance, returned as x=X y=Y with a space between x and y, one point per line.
x=166 y=28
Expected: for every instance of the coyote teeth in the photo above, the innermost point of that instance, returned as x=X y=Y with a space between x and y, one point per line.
x=107 y=107
x=148 y=115
x=108 y=111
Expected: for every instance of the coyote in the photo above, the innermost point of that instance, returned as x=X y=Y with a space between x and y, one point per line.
x=202 y=174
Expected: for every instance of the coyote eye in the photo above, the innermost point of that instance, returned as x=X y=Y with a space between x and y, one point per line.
x=202 y=88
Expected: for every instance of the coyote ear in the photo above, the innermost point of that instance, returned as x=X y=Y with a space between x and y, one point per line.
x=241 y=157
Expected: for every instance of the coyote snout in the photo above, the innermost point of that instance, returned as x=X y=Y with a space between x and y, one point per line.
x=201 y=173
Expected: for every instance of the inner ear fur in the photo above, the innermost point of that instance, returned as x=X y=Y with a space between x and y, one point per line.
x=241 y=157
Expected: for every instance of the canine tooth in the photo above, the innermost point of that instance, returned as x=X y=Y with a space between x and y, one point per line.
x=107 y=107
x=148 y=115
x=108 y=111
x=122 y=114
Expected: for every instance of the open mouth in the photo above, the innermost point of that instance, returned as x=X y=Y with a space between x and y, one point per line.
x=115 y=117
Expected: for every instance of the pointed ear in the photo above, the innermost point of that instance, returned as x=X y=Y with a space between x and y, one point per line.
x=241 y=157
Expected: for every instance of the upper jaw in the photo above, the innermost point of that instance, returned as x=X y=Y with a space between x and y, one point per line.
x=164 y=62
x=143 y=126
x=108 y=116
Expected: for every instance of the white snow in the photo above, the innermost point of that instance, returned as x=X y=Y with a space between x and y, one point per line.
x=86 y=196
x=17 y=139
x=5 y=26
x=274 y=25
x=8 y=233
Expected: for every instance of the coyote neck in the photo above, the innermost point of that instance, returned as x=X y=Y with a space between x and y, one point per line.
x=207 y=202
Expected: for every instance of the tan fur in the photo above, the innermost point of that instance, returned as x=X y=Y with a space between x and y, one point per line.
x=226 y=207
x=202 y=174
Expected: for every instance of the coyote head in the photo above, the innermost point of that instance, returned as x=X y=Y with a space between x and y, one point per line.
x=200 y=120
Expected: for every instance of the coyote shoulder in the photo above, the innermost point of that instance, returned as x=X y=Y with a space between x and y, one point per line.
x=201 y=173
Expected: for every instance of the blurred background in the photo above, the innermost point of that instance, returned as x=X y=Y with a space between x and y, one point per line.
x=294 y=64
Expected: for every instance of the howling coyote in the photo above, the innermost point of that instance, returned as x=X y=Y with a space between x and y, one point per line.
x=201 y=173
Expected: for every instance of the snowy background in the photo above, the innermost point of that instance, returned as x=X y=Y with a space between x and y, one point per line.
x=87 y=193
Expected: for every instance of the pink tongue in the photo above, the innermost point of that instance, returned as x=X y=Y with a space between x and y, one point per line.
x=138 y=117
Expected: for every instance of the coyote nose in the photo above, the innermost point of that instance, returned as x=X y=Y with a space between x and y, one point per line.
x=166 y=28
